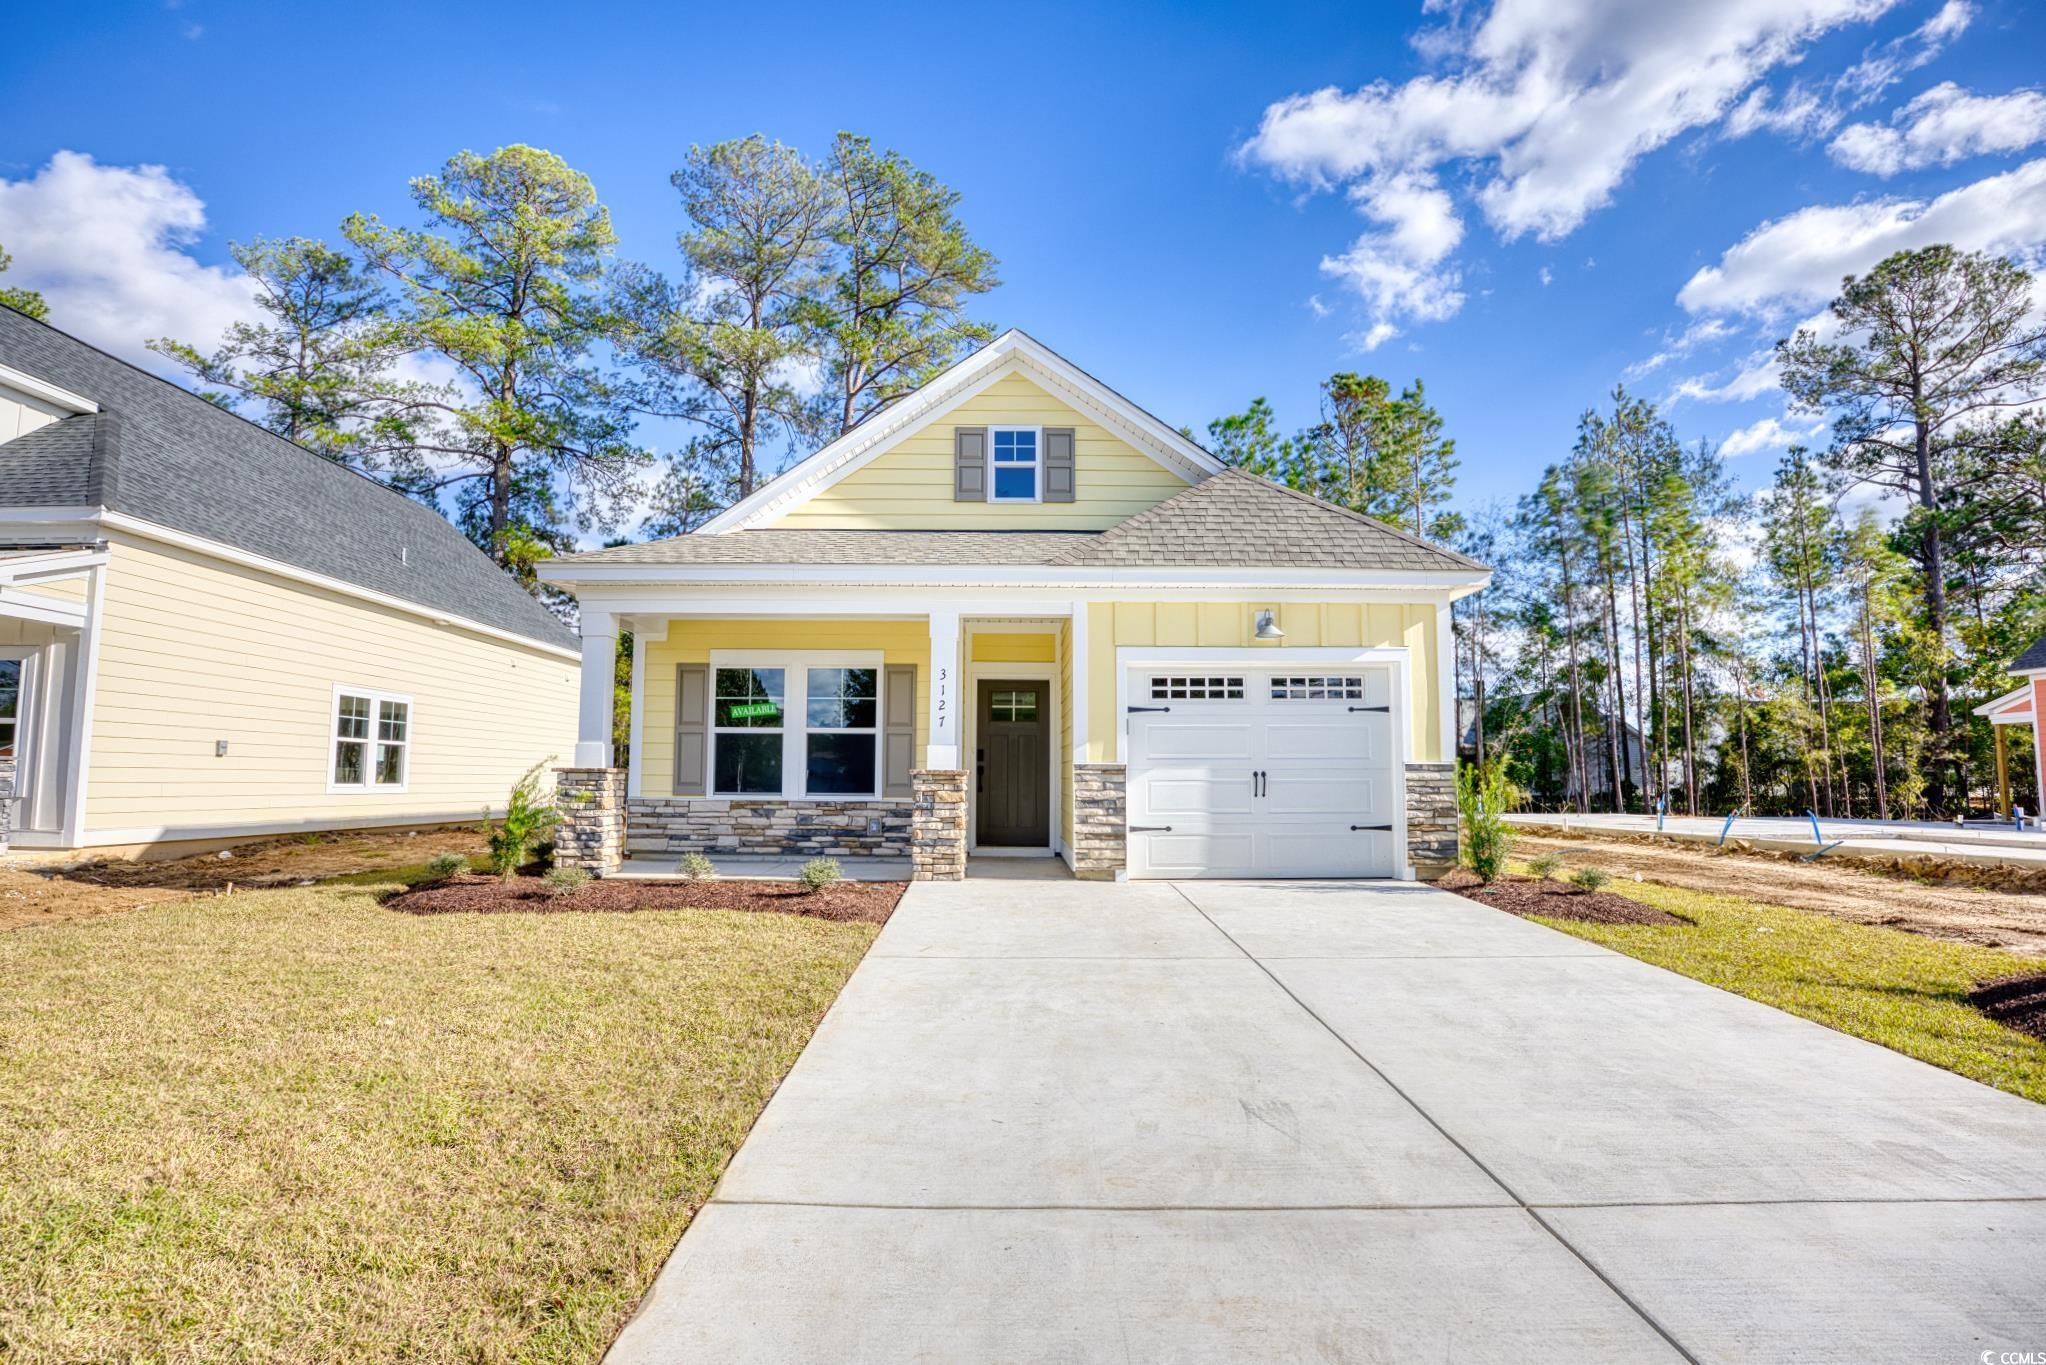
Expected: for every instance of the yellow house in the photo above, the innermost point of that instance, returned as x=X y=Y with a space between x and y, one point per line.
x=209 y=633
x=1014 y=614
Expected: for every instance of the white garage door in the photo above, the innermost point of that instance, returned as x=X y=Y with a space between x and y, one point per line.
x=1259 y=772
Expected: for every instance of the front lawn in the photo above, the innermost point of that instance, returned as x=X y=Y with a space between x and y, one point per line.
x=1902 y=990
x=295 y=1125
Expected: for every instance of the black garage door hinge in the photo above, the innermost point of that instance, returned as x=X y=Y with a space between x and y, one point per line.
x=1150 y=829
x=1386 y=828
x=1386 y=709
x=1150 y=708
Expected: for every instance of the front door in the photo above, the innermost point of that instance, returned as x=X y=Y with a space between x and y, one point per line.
x=1013 y=764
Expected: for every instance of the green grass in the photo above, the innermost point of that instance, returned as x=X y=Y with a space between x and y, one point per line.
x=1901 y=990
x=291 y=1125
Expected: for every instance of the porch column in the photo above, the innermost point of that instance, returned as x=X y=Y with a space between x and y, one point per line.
x=600 y=663
x=944 y=745
x=2002 y=771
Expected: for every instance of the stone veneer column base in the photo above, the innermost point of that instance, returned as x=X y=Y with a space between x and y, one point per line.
x=1100 y=821
x=1431 y=818
x=937 y=832
x=591 y=834
x=6 y=801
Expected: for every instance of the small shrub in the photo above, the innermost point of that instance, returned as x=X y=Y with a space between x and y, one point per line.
x=1546 y=865
x=1482 y=795
x=1590 y=878
x=564 y=881
x=445 y=865
x=819 y=873
x=528 y=819
x=697 y=868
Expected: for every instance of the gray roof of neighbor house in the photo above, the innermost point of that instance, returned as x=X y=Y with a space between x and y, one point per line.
x=162 y=454
x=1228 y=520
x=2033 y=659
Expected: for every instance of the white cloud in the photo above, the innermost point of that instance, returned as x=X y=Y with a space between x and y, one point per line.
x=1944 y=125
x=1798 y=261
x=1545 y=277
x=1704 y=332
x=108 y=248
x=1884 y=66
x=1769 y=434
x=1558 y=99
x=1756 y=376
x=1799 y=113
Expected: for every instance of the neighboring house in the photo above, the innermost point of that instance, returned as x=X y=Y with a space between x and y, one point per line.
x=207 y=632
x=2024 y=706
x=1014 y=613
x=1598 y=749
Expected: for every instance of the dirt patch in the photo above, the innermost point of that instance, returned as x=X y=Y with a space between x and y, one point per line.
x=1995 y=919
x=868 y=902
x=1532 y=896
x=42 y=892
x=2016 y=1001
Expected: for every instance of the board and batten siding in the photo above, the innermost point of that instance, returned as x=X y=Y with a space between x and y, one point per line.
x=690 y=641
x=910 y=487
x=194 y=650
x=1231 y=625
x=21 y=413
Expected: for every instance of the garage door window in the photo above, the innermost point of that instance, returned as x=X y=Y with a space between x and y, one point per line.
x=1319 y=687
x=1203 y=687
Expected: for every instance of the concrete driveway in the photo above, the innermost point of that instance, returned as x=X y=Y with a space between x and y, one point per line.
x=1059 y=1121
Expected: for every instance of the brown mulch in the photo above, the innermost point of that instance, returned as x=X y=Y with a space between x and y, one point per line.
x=1552 y=899
x=866 y=902
x=2018 y=1002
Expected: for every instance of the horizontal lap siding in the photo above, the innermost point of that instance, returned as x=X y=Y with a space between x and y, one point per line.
x=193 y=650
x=910 y=487
x=691 y=642
x=1230 y=625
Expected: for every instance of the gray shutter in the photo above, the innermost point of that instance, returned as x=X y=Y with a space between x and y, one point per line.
x=692 y=728
x=898 y=719
x=1058 y=464
x=969 y=464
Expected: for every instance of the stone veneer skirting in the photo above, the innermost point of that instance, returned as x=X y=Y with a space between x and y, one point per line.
x=674 y=825
x=1431 y=818
x=6 y=801
x=591 y=834
x=1100 y=821
x=938 y=840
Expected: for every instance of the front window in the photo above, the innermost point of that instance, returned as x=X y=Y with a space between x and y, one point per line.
x=795 y=728
x=1014 y=456
x=10 y=706
x=748 y=717
x=372 y=740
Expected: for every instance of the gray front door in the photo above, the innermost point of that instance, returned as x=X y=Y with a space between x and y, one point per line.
x=1013 y=765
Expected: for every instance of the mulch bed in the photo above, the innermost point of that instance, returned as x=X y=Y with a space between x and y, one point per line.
x=2017 y=1002
x=1552 y=899
x=868 y=902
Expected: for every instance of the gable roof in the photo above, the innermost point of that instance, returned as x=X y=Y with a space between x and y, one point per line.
x=164 y=455
x=1012 y=352
x=1230 y=520
x=2033 y=660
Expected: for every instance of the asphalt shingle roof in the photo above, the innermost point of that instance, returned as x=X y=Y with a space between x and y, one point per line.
x=160 y=453
x=1228 y=520
x=2034 y=657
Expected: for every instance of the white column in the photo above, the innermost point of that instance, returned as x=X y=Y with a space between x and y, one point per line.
x=944 y=725
x=600 y=664
x=1082 y=691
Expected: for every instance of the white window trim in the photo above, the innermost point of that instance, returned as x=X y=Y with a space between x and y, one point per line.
x=795 y=728
x=377 y=697
x=24 y=759
x=1036 y=465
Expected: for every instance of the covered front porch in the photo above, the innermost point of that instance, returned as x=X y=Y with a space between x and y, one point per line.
x=2017 y=713
x=48 y=600
x=901 y=742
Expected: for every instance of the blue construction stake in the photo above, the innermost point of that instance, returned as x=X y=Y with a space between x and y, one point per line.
x=1726 y=828
x=1820 y=839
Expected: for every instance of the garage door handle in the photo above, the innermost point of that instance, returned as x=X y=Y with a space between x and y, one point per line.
x=1384 y=828
x=1386 y=709
x=1150 y=829
x=1135 y=709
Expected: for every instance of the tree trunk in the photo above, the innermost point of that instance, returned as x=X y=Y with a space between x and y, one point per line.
x=1935 y=565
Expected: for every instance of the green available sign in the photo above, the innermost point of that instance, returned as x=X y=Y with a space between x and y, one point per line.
x=748 y=710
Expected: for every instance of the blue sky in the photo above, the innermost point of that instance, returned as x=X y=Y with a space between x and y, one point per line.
x=1521 y=204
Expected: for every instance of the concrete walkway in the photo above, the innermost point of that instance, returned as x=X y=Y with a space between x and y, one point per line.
x=1341 y=1122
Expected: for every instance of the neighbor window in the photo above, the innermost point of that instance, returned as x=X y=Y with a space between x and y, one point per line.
x=1014 y=457
x=372 y=740
x=10 y=706
x=796 y=728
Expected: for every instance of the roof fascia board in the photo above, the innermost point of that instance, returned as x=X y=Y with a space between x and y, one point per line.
x=77 y=404
x=149 y=530
x=34 y=567
x=1252 y=579
x=1012 y=352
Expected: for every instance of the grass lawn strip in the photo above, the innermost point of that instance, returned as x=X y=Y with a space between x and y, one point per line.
x=294 y=1125
x=1902 y=990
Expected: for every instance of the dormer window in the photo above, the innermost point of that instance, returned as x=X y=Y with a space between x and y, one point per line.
x=1014 y=459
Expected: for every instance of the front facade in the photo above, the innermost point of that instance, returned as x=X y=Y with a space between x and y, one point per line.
x=2023 y=706
x=1014 y=615
x=208 y=633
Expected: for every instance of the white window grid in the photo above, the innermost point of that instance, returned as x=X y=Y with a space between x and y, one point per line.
x=1319 y=687
x=379 y=724
x=1197 y=687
